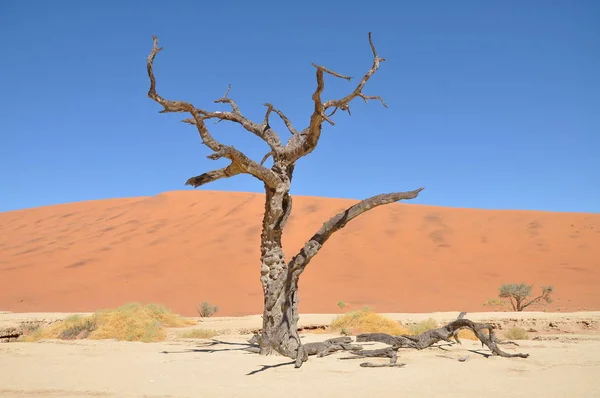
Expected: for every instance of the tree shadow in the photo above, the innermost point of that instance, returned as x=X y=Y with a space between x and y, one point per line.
x=241 y=347
x=244 y=347
x=265 y=367
x=483 y=354
x=442 y=345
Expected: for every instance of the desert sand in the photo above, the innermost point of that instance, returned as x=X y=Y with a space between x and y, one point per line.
x=409 y=262
x=180 y=248
x=560 y=365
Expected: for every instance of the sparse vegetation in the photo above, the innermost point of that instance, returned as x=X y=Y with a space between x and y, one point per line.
x=341 y=304
x=31 y=328
x=199 y=334
x=205 y=309
x=518 y=295
x=77 y=327
x=497 y=304
x=467 y=334
x=129 y=322
x=515 y=333
x=366 y=321
x=422 y=326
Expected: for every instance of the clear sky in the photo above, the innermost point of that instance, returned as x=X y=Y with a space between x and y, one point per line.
x=492 y=104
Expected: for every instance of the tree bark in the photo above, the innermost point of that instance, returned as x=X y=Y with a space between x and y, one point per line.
x=280 y=317
x=280 y=285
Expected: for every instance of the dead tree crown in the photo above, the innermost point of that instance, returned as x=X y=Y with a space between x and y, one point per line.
x=300 y=143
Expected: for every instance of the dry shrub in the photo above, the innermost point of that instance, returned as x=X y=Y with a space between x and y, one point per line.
x=422 y=326
x=467 y=334
x=67 y=329
x=206 y=309
x=77 y=327
x=366 y=321
x=34 y=334
x=515 y=333
x=199 y=334
x=129 y=322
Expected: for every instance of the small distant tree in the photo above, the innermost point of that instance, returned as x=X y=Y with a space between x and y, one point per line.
x=519 y=295
x=206 y=309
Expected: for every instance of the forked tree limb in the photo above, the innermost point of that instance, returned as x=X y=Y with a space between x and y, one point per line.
x=455 y=333
x=344 y=103
x=339 y=221
x=261 y=130
x=282 y=116
x=545 y=296
x=301 y=145
x=267 y=156
x=226 y=100
x=242 y=164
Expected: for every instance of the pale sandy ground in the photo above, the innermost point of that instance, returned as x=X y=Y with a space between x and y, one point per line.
x=180 y=248
x=564 y=368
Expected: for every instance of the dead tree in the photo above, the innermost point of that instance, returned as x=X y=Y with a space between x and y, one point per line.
x=279 y=277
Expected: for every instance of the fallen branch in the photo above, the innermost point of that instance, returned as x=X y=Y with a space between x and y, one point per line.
x=430 y=337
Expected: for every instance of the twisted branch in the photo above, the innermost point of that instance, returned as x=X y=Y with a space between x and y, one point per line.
x=344 y=103
x=339 y=221
x=282 y=116
x=240 y=162
x=304 y=144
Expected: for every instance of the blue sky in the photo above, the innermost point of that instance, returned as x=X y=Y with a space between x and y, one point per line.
x=492 y=104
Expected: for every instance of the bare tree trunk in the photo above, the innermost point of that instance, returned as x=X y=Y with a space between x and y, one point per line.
x=280 y=285
x=280 y=317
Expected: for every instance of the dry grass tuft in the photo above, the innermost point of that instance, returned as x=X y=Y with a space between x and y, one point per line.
x=467 y=334
x=199 y=334
x=515 y=333
x=366 y=321
x=129 y=322
x=422 y=326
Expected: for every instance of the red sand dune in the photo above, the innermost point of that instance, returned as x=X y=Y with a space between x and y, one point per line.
x=180 y=248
